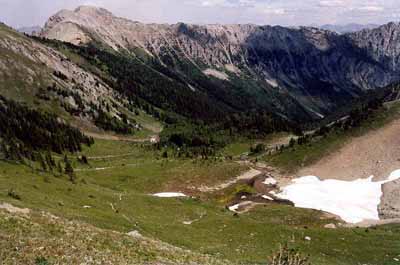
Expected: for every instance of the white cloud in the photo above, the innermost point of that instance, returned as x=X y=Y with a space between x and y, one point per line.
x=214 y=3
x=372 y=8
x=277 y=11
x=226 y=3
x=332 y=3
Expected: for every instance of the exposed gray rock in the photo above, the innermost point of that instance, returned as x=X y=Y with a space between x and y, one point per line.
x=330 y=226
x=41 y=66
x=389 y=207
x=318 y=69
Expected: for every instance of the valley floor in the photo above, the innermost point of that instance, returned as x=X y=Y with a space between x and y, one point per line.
x=113 y=196
x=118 y=199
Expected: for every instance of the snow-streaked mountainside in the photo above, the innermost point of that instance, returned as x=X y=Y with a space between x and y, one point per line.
x=318 y=69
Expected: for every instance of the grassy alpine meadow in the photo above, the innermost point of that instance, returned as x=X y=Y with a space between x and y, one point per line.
x=113 y=192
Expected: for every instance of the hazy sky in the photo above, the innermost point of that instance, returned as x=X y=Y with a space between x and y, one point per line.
x=285 y=12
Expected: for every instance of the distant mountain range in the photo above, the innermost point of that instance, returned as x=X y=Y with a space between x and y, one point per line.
x=210 y=72
x=303 y=73
x=34 y=30
x=348 y=28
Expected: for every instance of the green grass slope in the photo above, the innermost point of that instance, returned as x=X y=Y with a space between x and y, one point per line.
x=117 y=186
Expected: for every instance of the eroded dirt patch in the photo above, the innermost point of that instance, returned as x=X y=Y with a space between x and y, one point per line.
x=377 y=153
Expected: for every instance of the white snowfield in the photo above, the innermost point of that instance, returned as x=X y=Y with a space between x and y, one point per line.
x=353 y=201
x=169 y=195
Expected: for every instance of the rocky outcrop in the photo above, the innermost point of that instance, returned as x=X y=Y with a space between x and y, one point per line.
x=47 y=61
x=390 y=201
x=381 y=44
x=319 y=69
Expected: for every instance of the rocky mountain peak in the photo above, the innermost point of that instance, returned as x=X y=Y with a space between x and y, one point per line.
x=382 y=43
x=92 y=11
x=300 y=61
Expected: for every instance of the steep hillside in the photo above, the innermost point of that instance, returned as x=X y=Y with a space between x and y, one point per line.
x=45 y=78
x=382 y=44
x=40 y=243
x=301 y=73
x=374 y=153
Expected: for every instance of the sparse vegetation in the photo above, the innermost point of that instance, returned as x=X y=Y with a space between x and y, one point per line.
x=41 y=261
x=13 y=194
x=288 y=256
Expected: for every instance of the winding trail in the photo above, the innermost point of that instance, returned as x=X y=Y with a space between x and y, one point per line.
x=248 y=175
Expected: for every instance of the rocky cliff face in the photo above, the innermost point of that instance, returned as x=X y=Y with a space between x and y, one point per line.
x=319 y=69
x=382 y=44
x=34 y=60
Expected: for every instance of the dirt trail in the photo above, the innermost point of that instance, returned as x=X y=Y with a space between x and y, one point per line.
x=104 y=136
x=375 y=153
x=12 y=209
x=248 y=175
x=111 y=156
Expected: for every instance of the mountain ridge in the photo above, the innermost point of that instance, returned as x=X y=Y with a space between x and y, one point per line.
x=347 y=28
x=317 y=68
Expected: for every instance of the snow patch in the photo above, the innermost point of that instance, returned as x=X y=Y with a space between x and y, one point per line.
x=192 y=88
x=272 y=82
x=237 y=208
x=169 y=195
x=234 y=208
x=316 y=113
x=232 y=68
x=353 y=201
x=267 y=198
x=270 y=181
x=216 y=74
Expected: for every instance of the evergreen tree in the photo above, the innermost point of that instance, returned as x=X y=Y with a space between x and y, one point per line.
x=69 y=170
x=42 y=162
x=59 y=167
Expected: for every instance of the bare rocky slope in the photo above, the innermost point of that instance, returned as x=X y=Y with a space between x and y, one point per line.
x=46 y=78
x=317 y=70
x=390 y=204
x=376 y=153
